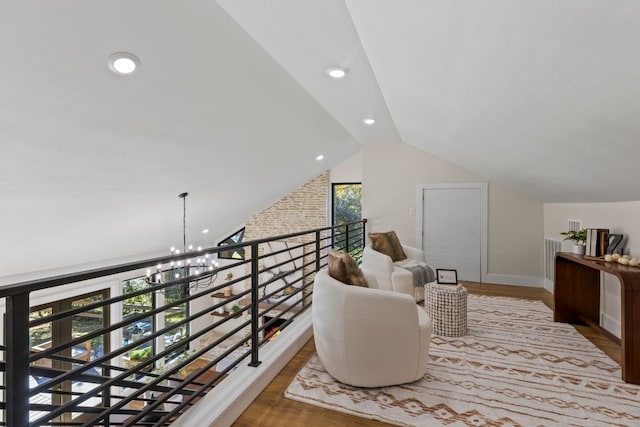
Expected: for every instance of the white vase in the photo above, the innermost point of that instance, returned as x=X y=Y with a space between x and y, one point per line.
x=578 y=249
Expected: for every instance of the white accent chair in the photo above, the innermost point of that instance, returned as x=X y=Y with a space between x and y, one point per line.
x=390 y=277
x=368 y=337
x=283 y=264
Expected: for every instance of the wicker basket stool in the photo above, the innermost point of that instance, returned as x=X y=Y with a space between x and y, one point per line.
x=447 y=307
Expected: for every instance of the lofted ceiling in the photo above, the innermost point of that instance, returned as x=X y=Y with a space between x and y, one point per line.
x=232 y=104
x=541 y=95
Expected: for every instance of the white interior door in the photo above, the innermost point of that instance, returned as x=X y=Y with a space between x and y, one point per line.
x=454 y=228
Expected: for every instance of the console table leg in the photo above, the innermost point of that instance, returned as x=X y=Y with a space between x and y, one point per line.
x=576 y=293
x=630 y=342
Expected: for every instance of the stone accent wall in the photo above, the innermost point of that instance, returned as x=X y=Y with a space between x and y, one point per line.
x=303 y=209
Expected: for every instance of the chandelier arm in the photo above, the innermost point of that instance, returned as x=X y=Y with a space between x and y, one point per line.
x=189 y=280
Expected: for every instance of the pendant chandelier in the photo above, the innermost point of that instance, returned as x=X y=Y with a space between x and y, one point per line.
x=200 y=269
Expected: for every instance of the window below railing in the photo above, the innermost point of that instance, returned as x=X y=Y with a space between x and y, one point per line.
x=142 y=354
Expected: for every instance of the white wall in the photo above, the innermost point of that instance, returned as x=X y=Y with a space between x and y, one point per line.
x=349 y=170
x=621 y=217
x=390 y=175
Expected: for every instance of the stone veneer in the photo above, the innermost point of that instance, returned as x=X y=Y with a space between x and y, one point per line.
x=303 y=209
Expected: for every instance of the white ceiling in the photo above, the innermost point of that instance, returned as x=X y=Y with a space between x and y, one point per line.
x=232 y=104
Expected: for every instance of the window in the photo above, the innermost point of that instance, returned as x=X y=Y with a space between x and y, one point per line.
x=173 y=315
x=132 y=307
x=346 y=201
x=144 y=303
x=237 y=237
x=61 y=331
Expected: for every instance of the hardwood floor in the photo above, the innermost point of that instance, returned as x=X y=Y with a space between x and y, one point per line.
x=271 y=409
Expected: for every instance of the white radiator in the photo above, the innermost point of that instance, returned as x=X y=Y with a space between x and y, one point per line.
x=575 y=225
x=551 y=246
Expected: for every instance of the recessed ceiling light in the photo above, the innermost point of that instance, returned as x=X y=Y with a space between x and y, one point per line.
x=319 y=157
x=123 y=63
x=337 y=72
x=369 y=121
x=205 y=231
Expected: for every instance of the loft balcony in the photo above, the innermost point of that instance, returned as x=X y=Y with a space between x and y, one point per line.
x=118 y=346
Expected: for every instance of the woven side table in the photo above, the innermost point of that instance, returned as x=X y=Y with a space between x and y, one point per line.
x=447 y=307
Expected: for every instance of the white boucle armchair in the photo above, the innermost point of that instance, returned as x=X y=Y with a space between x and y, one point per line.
x=389 y=276
x=368 y=337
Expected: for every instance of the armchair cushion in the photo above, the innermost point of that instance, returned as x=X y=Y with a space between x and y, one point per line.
x=391 y=276
x=388 y=244
x=344 y=269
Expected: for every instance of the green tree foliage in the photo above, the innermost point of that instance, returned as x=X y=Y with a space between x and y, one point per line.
x=347 y=208
x=347 y=203
x=143 y=302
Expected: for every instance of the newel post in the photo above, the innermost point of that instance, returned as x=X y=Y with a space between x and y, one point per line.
x=255 y=339
x=17 y=342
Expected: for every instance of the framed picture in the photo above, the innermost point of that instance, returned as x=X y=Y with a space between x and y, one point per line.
x=446 y=276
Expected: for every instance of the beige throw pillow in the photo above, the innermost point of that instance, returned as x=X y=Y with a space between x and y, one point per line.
x=388 y=244
x=344 y=269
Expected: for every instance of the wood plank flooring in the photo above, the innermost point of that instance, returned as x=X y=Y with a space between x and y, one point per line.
x=271 y=409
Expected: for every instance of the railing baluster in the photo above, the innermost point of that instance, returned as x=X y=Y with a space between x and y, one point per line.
x=364 y=233
x=17 y=342
x=346 y=234
x=317 y=251
x=255 y=340
x=111 y=388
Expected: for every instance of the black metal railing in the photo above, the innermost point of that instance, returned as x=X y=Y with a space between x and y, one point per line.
x=53 y=385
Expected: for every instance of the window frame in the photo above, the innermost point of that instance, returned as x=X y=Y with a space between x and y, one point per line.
x=224 y=242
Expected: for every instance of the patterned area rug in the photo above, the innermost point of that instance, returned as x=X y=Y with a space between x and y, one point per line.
x=515 y=367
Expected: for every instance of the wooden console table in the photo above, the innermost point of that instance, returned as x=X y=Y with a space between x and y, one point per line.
x=577 y=300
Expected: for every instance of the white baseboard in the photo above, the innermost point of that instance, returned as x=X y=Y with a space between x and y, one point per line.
x=548 y=285
x=611 y=324
x=503 y=279
x=226 y=402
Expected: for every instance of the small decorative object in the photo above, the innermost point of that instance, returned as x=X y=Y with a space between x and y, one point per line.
x=614 y=243
x=235 y=310
x=446 y=276
x=220 y=309
x=578 y=237
x=180 y=361
x=622 y=259
x=227 y=290
x=155 y=373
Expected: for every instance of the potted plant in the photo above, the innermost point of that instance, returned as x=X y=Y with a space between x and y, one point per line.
x=151 y=393
x=180 y=361
x=235 y=310
x=578 y=237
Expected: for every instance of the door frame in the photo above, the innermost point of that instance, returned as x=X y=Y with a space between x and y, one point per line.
x=484 y=215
